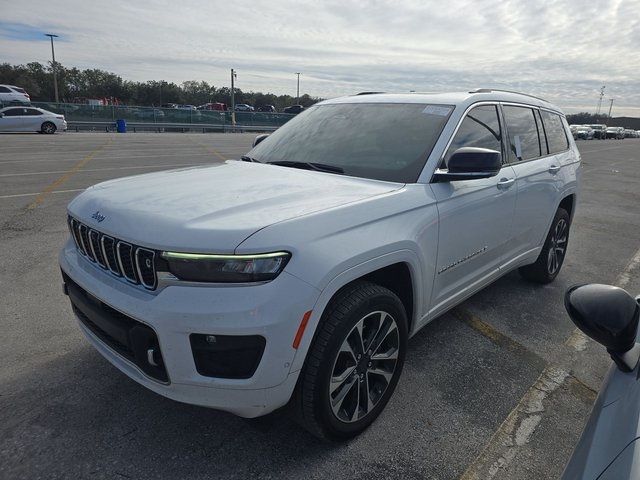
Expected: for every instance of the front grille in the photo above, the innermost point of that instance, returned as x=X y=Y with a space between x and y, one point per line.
x=122 y=259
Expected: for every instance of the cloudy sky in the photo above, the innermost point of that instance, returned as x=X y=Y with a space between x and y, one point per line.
x=563 y=50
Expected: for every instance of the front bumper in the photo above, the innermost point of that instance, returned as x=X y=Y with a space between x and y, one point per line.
x=272 y=310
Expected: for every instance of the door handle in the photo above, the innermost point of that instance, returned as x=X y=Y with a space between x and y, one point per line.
x=505 y=183
x=553 y=169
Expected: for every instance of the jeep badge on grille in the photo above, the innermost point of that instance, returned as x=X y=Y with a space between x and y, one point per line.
x=98 y=216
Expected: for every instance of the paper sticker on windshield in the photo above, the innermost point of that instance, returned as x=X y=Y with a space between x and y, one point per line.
x=439 y=110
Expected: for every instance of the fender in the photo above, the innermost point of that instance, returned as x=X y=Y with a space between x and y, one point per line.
x=353 y=273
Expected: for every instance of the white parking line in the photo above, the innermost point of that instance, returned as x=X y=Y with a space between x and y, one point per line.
x=38 y=193
x=517 y=428
x=111 y=157
x=135 y=167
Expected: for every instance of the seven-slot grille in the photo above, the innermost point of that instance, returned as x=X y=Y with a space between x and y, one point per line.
x=135 y=264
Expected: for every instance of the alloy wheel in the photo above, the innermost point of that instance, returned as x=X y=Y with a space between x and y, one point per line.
x=557 y=247
x=364 y=366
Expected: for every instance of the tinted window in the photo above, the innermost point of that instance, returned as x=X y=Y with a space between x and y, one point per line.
x=556 y=136
x=384 y=141
x=32 y=111
x=480 y=128
x=18 y=89
x=4 y=90
x=523 y=133
x=14 y=112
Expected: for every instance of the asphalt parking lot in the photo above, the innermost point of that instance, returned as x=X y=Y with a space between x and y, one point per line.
x=501 y=387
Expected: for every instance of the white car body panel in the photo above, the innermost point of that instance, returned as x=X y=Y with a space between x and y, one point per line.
x=30 y=123
x=453 y=237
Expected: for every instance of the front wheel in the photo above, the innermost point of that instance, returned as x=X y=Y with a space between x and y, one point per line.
x=354 y=362
x=48 y=128
x=549 y=262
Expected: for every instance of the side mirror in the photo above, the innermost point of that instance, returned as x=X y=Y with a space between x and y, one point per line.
x=609 y=315
x=469 y=163
x=259 y=138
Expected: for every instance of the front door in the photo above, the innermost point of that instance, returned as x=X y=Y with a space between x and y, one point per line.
x=12 y=120
x=475 y=216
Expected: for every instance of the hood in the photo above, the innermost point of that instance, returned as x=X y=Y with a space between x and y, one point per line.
x=212 y=209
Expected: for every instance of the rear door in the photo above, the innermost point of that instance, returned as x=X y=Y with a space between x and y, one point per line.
x=12 y=120
x=32 y=119
x=535 y=173
x=474 y=215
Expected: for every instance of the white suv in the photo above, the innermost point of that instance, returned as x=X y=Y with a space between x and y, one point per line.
x=297 y=275
x=11 y=95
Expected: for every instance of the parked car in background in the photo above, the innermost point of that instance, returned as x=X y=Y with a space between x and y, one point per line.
x=574 y=130
x=186 y=107
x=615 y=132
x=243 y=107
x=12 y=95
x=301 y=271
x=31 y=119
x=149 y=113
x=295 y=109
x=609 y=447
x=584 y=132
x=169 y=105
x=267 y=108
x=217 y=106
x=599 y=131
x=628 y=133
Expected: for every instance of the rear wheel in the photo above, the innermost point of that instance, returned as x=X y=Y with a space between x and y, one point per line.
x=549 y=262
x=354 y=362
x=48 y=128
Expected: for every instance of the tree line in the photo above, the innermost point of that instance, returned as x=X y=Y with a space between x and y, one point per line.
x=76 y=85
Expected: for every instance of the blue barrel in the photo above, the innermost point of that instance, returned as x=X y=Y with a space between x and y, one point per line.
x=121 y=125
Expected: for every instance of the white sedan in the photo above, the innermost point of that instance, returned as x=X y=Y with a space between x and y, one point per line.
x=30 y=119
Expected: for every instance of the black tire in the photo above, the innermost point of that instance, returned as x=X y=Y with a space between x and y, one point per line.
x=48 y=128
x=356 y=303
x=545 y=269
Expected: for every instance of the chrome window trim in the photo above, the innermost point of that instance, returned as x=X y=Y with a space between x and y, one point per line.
x=494 y=103
x=119 y=256
x=93 y=250
x=153 y=267
x=115 y=270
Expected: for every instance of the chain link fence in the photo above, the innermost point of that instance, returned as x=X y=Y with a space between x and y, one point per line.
x=110 y=113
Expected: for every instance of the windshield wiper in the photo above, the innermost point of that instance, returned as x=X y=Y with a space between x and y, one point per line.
x=246 y=158
x=318 y=167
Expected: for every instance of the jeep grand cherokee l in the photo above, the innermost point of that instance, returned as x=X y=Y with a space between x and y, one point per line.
x=297 y=275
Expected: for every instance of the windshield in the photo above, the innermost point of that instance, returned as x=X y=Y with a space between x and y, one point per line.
x=383 y=141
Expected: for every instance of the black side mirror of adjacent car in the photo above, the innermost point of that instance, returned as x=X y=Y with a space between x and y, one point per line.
x=609 y=315
x=470 y=163
x=259 y=138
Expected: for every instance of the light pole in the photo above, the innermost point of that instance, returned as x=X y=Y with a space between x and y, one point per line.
x=233 y=98
x=298 y=90
x=53 y=65
x=610 y=106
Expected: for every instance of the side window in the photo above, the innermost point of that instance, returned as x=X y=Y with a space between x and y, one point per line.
x=480 y=128
x=33 y=112
x=13 y=112
x=556 y=135
x=523 y=133
x=544 y=142
x=4 y=90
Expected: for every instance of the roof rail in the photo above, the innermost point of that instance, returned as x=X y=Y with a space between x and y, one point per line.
x=367 y=93
x=489 y=90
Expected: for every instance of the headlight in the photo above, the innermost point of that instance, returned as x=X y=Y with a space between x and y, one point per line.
x=195 y=267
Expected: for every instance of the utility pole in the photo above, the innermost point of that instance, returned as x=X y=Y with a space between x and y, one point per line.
x=233 y=98
x=53 y=65
x=600 y=100
x=298 y=90
x=610 y=106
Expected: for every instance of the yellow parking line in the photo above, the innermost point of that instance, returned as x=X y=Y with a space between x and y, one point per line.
x=209 y=149
x=66 y=176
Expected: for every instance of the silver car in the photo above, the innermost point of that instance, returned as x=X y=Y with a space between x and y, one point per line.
x=31 y=119
x=609 y=447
